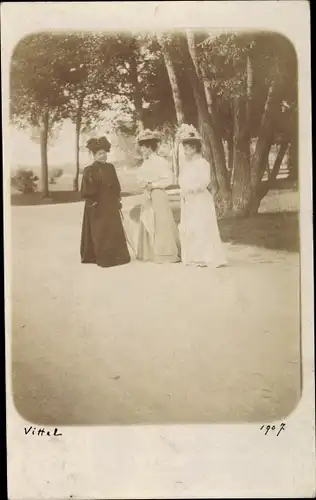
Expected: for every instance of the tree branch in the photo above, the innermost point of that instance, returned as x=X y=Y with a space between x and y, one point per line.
x=269 y=183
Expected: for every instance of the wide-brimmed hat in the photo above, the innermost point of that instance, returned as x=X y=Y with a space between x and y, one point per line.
x=148 y=135
x=189 y=133
x=96 y=143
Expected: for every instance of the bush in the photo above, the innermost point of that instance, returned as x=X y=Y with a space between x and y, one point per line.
x=54 y=174
x=25 y=181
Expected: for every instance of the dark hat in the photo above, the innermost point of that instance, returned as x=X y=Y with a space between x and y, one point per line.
x=96 y=143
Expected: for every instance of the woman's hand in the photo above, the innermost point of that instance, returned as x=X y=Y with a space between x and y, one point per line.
x=196 y=190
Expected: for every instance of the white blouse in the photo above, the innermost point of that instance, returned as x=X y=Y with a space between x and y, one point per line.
x=155 y=170
x=195 y=175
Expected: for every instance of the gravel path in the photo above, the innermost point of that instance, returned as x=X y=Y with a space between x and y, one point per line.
x=144 y=343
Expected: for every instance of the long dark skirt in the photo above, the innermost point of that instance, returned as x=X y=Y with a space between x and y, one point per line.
x=103 y=239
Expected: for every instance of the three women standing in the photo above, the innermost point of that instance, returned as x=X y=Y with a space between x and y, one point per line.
x=102 y=239
x=158 y=235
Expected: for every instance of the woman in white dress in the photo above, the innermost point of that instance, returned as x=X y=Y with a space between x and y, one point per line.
x=158 y=239
x=199 y=234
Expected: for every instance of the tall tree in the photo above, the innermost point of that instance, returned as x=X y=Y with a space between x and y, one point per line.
x=164 y=41
x=173 y=79
x=36 y=98
x=85 y=77
x=213 y=148
x=251 y=71
x=136 y=84
x=127 y=62
x=241 y=188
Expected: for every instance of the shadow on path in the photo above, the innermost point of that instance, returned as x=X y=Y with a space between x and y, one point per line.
x=271 y=230
x=55 y=197
x=274 y=231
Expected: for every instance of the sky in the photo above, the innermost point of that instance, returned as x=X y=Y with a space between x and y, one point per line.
x=62 y=152
x=25 y=152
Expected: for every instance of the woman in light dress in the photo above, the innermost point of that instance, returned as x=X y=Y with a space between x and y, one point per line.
x=158 y=239
x=199 y=234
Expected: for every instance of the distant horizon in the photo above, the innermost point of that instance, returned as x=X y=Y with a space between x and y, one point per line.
x=26 y=153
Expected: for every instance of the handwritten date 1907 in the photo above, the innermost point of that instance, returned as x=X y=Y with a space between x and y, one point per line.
x=33 y=431
x=268 y=428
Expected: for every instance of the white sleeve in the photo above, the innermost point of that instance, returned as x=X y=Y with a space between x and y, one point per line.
x=141 y=181
x=165 y=175
x=201 y=178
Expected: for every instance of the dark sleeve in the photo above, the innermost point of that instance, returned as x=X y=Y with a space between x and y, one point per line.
x=89 y=185
x=115 y=182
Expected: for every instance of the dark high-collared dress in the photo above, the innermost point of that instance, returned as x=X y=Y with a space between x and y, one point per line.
x=103 y=239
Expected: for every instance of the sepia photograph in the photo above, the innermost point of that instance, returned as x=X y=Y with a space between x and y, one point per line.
x=158 y=250
x=155 y=227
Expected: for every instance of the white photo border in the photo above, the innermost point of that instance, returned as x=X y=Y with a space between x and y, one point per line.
x=176 y=461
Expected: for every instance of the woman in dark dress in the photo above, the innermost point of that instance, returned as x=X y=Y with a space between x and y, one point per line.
x=103 y=239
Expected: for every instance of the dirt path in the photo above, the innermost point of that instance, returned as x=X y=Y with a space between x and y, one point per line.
x=144 y=343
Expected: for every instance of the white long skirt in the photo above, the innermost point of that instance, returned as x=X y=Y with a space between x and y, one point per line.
x=158 y=239
x=199 y=234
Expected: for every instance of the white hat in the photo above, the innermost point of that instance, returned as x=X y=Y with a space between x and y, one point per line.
x=188 y=132
x=148 y=135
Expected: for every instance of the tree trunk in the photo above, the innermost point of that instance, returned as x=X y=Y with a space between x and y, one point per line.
x=270 y=182
x=207 y=94
x=175 y=158
x=177 y=103
x=200 y=71
x=258 y=163
x=193 y=52
x=213 y=148
x=241 y=187
x=230 y=155
x=265 y=186
x=293 y=161
x=44 y=160
x=78 y=129
x=207 y=151
x=241 y=178
x=263 y=166
x=249 y=88
x=137 y=94
x=173 y=82
x=207 y=146
x=263 y=146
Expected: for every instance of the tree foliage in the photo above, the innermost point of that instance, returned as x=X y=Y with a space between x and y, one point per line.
x=239 y=88
x=35 y=85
